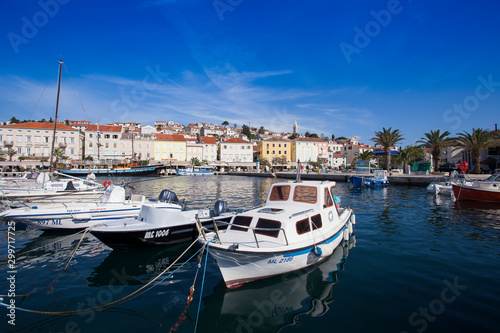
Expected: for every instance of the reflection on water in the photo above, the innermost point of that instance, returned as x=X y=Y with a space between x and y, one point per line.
x=407 y=243
x=272 y=304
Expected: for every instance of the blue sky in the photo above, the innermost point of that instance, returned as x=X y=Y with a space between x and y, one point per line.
x=347 y=68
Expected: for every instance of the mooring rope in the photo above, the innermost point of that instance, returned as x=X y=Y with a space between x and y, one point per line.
x=123 y=299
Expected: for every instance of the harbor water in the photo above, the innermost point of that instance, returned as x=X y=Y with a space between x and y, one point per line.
x=416 y=263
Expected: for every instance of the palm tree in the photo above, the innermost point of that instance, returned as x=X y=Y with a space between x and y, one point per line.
x=387 y=138
x=436 y=141
x=366 y=155
x=11 y=153
x=478 y=140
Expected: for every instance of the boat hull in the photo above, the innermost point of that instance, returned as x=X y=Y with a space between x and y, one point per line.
x=367 y=182
x=240 y=267
x=114 y=172
x=193 y=173
x=475 y=193
x=162 y=235
x=74 y=221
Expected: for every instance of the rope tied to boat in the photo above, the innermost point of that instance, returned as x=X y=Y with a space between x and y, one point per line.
x=184 y=314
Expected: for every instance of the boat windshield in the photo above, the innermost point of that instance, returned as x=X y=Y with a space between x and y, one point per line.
x=307 y=194
x=280 y=193
x=493 y=178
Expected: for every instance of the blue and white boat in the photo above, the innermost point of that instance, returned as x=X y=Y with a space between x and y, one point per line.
x=298 y=226
x=378 y=180
x=195 y=171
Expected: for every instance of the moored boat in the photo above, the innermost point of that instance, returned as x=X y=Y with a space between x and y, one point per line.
x=77 y=215
x=379 y=179
x=298 y=226
x=481 y=190
x=194 y=171
x=155 y=226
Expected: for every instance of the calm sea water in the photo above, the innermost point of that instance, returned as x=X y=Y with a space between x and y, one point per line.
x=417 y=264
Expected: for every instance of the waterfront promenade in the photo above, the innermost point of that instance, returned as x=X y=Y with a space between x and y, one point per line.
x=339 y=176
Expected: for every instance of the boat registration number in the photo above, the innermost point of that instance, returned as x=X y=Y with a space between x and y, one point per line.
x=157 y=233
x=49 y=222
x=279 y=261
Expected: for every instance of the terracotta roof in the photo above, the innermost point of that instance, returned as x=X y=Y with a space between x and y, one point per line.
x=36 y=125
x=305 y=139
x=277 y=139
x=170 y=137
x=337 y=155
x=103 y=128
x=320 y=140
x=208 y=139
x=236 y=140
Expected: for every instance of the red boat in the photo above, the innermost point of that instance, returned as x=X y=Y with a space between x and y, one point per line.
x=486 y=190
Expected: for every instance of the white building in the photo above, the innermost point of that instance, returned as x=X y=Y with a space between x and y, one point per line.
x=102 y=142
x=304 y=150
x=236 y=150
x=34 y=139
x=209 y=148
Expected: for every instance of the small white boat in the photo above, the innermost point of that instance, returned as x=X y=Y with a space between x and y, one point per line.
x=44 y=188
x=80 y=215
x=195 y=171
x=441 y=185
x=156 y=226
x=298 y=226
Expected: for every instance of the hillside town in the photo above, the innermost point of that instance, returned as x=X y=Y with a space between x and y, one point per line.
x=79 y=142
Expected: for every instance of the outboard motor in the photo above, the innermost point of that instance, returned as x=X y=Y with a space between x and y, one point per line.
x=168 y=196
x=220 y=207
x=70 y=186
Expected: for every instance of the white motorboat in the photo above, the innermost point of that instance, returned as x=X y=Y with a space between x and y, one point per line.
x=54 y=190
x=80 y=215
x=155 y=226
x=441 y=185
x=298 y=226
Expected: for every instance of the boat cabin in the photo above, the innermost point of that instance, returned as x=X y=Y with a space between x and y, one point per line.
x=291 y=212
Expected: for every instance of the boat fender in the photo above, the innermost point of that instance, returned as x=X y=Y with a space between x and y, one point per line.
x=106 y=183
x=349 y=225
x=353 y=219
x=317 y=251
x=346 y=234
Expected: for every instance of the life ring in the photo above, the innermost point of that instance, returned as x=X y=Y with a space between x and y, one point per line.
x=106 y=183
x=463 y=166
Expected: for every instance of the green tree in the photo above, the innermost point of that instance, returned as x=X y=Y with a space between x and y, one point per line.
x=341 y=138
x=262 y=130
x=14 y=120
x=225 y=123
x=476 y=141
x=366 y=155
x=387 y=138
x=436 y=141
x=195 y=161
x=247 y=132
x=11 y=153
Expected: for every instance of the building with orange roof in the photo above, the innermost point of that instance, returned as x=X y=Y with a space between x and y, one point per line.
x=274 y=148
x=33 y=140
x=210 y=148
x=236 y=150
x=102 y=142
x=170 y=147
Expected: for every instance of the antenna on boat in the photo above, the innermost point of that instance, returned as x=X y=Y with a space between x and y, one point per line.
x=51 y=166
x=297 y=179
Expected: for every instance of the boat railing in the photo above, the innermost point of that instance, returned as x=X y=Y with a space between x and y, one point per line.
x=215 y=223
x=310 y=210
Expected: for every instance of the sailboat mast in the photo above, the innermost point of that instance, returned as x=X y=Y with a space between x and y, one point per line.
x=51 y=166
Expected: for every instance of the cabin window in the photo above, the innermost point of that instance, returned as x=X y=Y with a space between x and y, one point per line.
x=272 y=226
x=307 y=194
x=316 y=221
x=280 y=193
x=328 y=199
x=302 y=226
x=243 y=221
